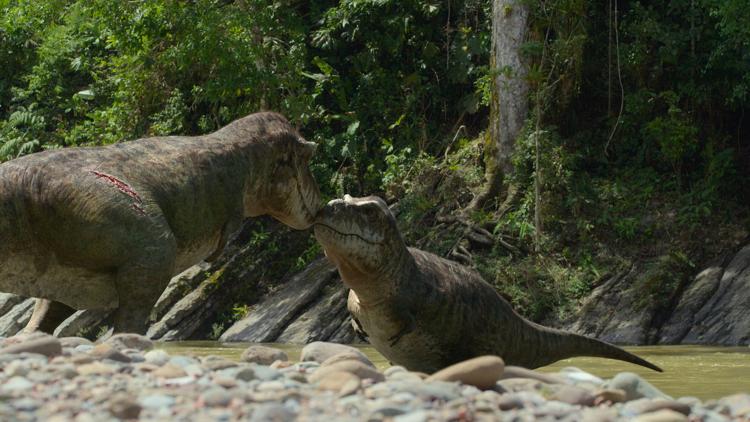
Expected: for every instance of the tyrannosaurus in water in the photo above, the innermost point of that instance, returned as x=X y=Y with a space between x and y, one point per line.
x=425 y=312
x=107 y=227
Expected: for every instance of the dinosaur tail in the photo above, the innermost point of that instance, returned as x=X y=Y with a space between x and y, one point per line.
x=553 y=345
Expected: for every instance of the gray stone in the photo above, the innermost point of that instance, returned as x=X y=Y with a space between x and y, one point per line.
x=348 y=355
x=415 y=416
x=8 y=301
x=122 y=406
x=722 y=318
x=664 y=415
x=596 y=319
x=178 y=287
x=268 y=319
x=519 y=372
x=355 y=367
x=738 y=404
x=327 y=319
x=481 y=372
x=183 y=361
x=439 y=390
x=182 y=319
x=571 y=394
x=263 y=355
x=83 y=348
x=88 y=322
x=156 y=401
x=577 y=376
x=17 y=384
x=157 y=357
x=216 y=397
x=319 y=351
x=394 y=370
x=45 y=345
x=16 y=318
x=637 y=407
x=26 y=404
x=271 y=412
x=129 y=341
x=72 y=342
x=635 y=387
x=709 y=310
x=108 y=351
x=265 y=373
x=341 y=382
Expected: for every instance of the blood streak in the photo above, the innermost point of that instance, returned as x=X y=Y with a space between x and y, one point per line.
x=124 y=188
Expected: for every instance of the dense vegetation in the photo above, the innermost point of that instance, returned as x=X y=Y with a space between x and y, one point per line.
x=641 y=107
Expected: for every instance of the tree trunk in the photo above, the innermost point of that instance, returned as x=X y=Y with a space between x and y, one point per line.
x=509 y=105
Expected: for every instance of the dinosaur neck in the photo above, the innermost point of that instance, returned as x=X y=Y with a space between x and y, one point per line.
x=551 y=345
x=374 y=287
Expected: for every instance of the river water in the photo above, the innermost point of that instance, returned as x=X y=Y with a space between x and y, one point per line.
x=698 y=371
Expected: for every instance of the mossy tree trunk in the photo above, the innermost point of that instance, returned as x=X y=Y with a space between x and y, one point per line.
x=509 y=106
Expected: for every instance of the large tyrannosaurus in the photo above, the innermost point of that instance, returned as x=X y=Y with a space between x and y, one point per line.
x=107 y=227
x=425 y=312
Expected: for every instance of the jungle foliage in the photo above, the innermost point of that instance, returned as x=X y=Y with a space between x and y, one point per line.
x=640 y=114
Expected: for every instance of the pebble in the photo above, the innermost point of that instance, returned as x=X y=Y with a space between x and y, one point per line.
x=123 y=406
x=665 y=415
x=108 y=351
x=319 y=351
x=156 y=401
x=46 y=345
x=130 y=341
x=263 y=355
x=216 y=397
x=341 y=382
x=216 y=365
x=265 y=373
x=577 y=376
x=17 y=384
x=395 y=369
x=156 y=357
x=169 y=371
x=95 y=368
x=610 y=396
x=348 y=355
x=635 y=387
x=481 y=372
x=519 y=372
x=83 y=348
x=355 y=367
x=71 y=342
x=637 y=407
x=271 y=412
x=573 y=395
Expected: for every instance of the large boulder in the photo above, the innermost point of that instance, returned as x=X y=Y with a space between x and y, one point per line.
x=16 y=317
x=310 y=307
x=713 y=309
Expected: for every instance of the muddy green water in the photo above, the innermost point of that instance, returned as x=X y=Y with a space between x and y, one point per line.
x=703 y=372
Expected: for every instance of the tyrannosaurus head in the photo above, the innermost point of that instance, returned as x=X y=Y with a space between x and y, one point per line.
x=360 y=236
x=283 y=185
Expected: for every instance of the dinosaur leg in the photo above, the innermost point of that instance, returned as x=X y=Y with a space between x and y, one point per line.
x=143 y=278
x=47 y=316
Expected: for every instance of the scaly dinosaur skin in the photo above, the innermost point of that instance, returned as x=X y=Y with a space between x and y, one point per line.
x=425 y=312
x=107 y=227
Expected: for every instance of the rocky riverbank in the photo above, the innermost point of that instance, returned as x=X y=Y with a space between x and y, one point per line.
x=48 y=379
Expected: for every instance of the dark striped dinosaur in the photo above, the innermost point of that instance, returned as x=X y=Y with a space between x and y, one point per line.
x=425 y=312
